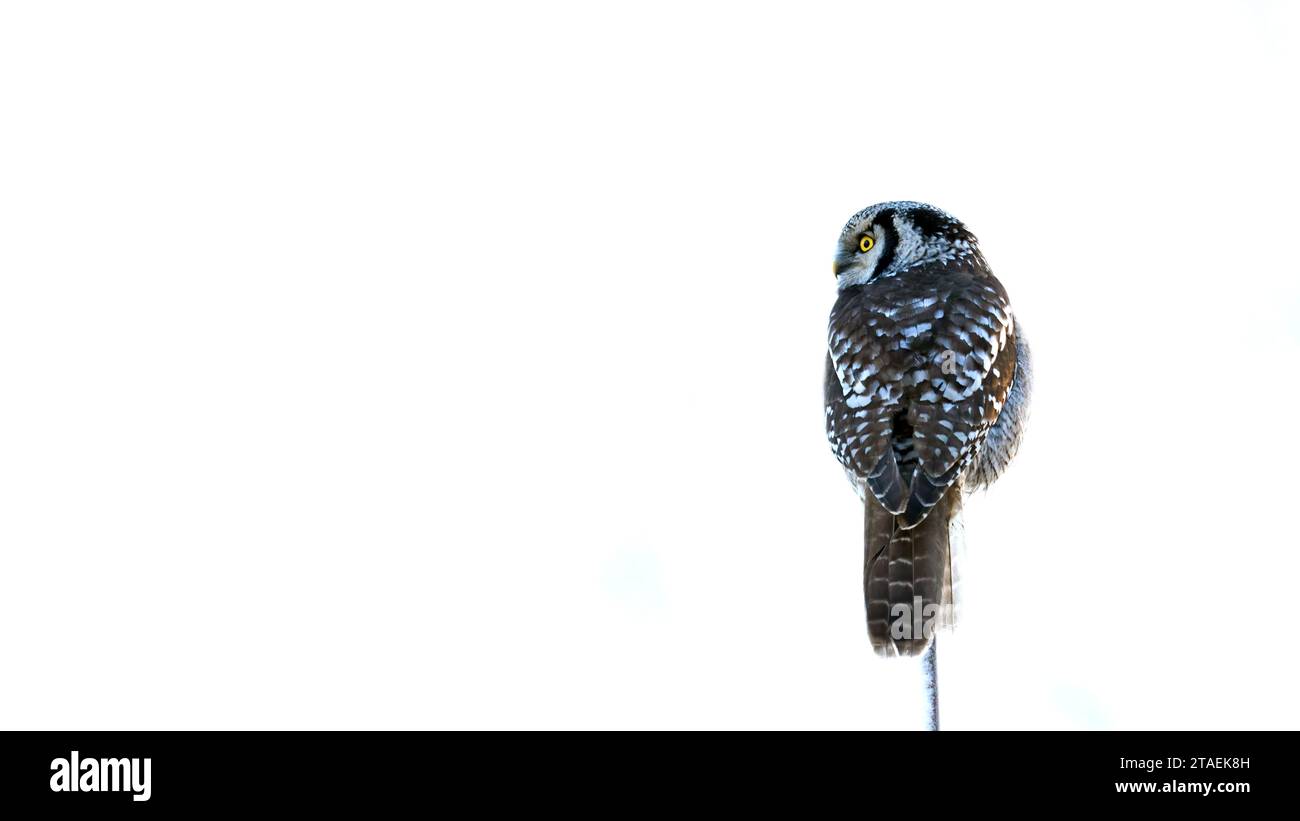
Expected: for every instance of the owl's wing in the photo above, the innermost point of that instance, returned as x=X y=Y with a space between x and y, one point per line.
x=865 y=396
x=959 y=390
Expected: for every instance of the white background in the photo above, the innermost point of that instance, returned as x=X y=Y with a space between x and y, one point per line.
x=459 y=365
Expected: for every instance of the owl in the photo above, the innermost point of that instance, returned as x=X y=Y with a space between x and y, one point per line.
x=927 y=388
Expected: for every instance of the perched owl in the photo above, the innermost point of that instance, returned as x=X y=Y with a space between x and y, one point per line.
x=927 y=387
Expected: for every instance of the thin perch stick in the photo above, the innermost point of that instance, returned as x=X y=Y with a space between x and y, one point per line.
x=930 y=665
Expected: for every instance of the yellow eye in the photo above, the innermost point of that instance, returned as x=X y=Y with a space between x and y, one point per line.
x=866 y=243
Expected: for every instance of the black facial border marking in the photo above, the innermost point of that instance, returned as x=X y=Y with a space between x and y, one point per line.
x=885 y=219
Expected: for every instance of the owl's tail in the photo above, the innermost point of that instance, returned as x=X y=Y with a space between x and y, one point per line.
x=908 y=576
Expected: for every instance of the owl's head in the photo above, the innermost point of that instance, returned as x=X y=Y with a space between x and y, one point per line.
x=892 y=237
